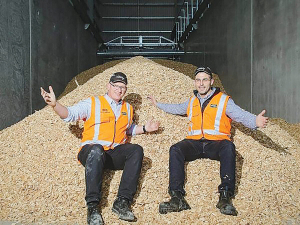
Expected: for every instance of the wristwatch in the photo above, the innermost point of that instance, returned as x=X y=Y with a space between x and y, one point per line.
x=144 y=129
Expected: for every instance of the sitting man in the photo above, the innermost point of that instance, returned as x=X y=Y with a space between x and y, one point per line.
x=210 y=113
x=108 y=122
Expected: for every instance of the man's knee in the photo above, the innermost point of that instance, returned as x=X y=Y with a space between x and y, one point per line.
x=228 y=148
x=138 y=152
x=175 y=150
x=96 y=153
x=89 y=152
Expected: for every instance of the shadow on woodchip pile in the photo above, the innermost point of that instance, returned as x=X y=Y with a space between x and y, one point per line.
x=43 y=183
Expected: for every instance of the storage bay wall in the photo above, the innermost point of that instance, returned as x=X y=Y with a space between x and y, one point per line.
x=254 y=47
x=42 y=43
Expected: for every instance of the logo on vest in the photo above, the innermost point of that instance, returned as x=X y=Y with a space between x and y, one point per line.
x=213 y=105
x=124 y=113
x=104 y=111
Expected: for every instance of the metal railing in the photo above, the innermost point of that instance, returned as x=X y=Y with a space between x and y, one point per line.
x=187 y=14
x=141 y=42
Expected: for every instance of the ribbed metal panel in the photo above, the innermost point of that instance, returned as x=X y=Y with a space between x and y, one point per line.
x=139 y=16
x=41 y=43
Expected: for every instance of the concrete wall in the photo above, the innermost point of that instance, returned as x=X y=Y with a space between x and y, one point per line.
x=42 y=43
x=276 y=57
x=14 y=61
x=254 y=47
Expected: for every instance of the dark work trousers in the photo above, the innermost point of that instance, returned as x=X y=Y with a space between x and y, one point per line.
x=190 y=150
x=128 y=157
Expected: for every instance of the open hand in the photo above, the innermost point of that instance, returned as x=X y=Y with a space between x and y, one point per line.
x=261 y=120
x=152 y=125
x=152 y=99
x=49 y=98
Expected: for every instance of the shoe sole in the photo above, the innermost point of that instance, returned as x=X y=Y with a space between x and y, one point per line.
x=231 y=211
x=130 y=219
x=167 y=210
x=96 y=221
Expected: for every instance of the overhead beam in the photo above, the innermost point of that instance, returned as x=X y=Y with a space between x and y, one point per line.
x=140 y=17
x=136 y=31
x=146 y=53
x=137 y=4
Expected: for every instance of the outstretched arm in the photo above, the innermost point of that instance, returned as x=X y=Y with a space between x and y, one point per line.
x=244 y=117
x=261 y=120
x=150 y=126
x=176 y=109
x=153 y=100
x=50 y=99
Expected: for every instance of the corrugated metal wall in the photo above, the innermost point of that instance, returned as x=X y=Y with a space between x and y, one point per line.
x=136 y=17
x=14 y=61
x=41 y=43
x=276 y=58
x=254 y=47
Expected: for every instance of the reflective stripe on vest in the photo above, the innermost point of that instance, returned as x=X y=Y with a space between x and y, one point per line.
x=219 y=115
x=191 y=112
x=128 y=113
x=191 y=107
x=206 y=131
x=103 y=143
x=97 y=118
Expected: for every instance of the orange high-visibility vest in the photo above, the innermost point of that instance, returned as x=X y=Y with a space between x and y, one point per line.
x=212 y=123
x=103 y=128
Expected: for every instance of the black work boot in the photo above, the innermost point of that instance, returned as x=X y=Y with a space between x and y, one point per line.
x=93 y=214
x=176 y=204
x=225 y=203
x=122 y=209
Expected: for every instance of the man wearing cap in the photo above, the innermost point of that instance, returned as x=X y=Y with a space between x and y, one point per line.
x=210 y=113
x=104 y=144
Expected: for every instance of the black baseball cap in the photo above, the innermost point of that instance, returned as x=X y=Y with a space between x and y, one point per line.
x=203 y=69
x=118 y=77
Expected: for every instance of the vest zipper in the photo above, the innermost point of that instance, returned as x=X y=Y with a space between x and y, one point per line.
x=203 y=108
x=201 y=121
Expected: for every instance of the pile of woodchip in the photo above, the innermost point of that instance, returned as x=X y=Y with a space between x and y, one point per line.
x=41 y=181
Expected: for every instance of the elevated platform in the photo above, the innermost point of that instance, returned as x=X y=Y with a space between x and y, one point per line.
x=147 y=46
